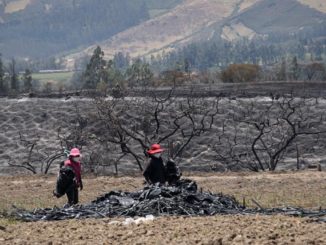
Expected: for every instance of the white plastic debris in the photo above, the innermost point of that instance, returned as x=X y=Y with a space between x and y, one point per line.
x=145 y=219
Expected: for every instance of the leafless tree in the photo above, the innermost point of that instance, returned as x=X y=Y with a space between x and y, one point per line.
x=74 y=134
x=39 y=159
x=36 y=160
x=135 y=123
x=315 y=71
x=259 y=135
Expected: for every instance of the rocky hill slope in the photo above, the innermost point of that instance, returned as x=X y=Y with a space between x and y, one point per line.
x=34 y=28
x=198 y=20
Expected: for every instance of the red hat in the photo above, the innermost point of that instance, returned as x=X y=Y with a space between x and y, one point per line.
x=155 y=148
x=74 y=152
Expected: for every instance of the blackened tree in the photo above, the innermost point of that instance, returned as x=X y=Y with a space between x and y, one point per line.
x=315 y=71
x=131 y=126
x=259 y=136
x=34 y=160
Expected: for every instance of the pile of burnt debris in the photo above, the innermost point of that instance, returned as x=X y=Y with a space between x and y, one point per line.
x=181 y=199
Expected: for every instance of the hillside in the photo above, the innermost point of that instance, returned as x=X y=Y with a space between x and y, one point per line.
x=197 y=20
x=178 y=26
x=279 y=16
x=36 y=28
x=319 y=5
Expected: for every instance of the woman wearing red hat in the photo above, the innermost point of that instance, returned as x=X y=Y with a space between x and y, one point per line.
x=74 y=163
x=155 y=170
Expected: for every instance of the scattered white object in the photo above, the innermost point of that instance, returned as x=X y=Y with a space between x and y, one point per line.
x=146 y=219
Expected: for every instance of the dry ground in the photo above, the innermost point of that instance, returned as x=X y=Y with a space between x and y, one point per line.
x=305 y=189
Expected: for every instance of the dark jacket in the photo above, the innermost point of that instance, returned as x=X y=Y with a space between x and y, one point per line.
x=76 y=166
x=155 y=171
x=65 y=181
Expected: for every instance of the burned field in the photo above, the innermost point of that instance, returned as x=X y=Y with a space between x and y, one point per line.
x=209 y=137
x=305 y=189
x=213 y=133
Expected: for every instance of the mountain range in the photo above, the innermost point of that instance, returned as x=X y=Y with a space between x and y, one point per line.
x=73 y=28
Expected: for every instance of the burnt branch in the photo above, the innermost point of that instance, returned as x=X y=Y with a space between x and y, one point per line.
x=271 y=127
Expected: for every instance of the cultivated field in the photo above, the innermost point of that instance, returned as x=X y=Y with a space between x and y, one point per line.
x=53 y=77
x=306 y=189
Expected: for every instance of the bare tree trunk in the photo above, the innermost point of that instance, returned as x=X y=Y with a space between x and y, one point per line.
x=298 y=158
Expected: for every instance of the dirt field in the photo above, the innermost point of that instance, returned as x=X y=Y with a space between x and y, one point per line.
x=305 y=189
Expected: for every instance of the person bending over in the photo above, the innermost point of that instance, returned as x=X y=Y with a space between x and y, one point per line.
x=69 y=179
x=155 y=170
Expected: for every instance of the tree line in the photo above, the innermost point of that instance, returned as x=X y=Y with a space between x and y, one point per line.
x=11 y=83
x=122 y=71
x=266 y=51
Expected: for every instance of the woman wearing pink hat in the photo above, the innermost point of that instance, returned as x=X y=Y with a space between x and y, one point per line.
x=155 y=170
x=74 y=163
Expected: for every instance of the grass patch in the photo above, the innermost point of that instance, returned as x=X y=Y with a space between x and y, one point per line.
x=59 y=77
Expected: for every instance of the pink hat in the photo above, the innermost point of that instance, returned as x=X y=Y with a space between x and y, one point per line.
x=155 y=148
x=74 y=152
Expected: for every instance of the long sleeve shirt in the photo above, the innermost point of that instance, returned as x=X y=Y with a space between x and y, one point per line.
x=155 y=171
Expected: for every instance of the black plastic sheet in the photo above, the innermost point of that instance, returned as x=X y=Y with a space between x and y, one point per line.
x=182 y=199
